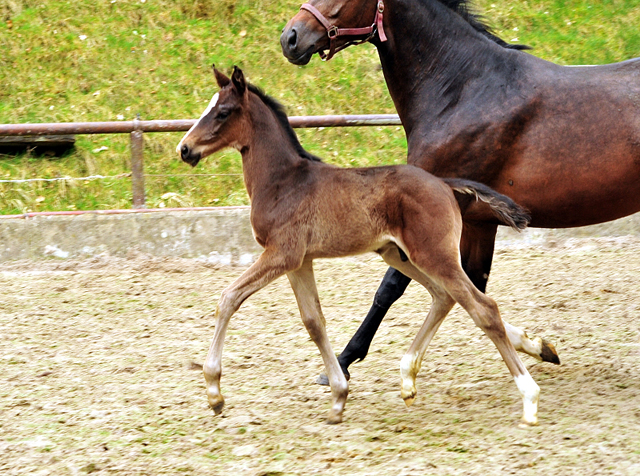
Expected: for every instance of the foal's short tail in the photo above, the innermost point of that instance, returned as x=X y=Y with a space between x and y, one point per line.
x=506 y=210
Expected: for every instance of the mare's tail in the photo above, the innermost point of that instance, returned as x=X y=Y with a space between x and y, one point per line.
x=506 y=210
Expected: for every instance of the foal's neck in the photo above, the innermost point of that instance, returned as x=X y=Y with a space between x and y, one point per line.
x=268 y=156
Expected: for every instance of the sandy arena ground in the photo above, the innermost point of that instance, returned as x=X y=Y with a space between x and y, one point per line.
x=101 y=372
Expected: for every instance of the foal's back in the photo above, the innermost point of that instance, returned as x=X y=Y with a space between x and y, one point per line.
x=351 y=211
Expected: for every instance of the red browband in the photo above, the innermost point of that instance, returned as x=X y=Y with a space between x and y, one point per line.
x=334 y=32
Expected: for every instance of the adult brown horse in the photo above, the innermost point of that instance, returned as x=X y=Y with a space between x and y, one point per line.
x=562 y=141
x=303 y=209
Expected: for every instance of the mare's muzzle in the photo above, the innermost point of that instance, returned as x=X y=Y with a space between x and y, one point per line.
x=302 y=38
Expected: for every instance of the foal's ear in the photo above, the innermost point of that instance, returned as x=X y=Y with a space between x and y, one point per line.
x=221 y=79
x=238 y=80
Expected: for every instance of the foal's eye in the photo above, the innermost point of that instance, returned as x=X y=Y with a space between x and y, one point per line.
x=222 y=115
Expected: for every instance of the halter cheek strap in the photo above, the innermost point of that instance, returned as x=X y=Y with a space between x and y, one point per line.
x=334 y=32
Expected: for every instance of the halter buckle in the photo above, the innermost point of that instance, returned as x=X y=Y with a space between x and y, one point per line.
x=380 y=6
x=333 y=32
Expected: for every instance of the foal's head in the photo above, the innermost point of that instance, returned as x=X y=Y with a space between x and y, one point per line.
x=222 y=124
x=226 y=122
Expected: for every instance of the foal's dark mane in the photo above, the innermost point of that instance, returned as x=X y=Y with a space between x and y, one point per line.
x=478 y=22
x=280 y=113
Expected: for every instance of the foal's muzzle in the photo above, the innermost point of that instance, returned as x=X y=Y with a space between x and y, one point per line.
x=189 y=156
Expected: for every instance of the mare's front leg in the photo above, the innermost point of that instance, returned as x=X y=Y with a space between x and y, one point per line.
x=268 y=267
x=476 y=252
x=391 y=289
x=304 y=287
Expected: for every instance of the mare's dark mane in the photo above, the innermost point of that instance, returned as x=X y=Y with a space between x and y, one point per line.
x=466 y=11
x=280 y=113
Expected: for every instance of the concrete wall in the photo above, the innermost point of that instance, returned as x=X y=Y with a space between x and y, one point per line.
x=217 y=235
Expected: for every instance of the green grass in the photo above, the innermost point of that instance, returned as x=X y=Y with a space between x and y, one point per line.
x=101 y=61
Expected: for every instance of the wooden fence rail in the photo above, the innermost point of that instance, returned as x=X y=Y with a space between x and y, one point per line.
x=137 y=128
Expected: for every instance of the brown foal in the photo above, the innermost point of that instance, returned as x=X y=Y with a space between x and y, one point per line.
x=302 y=209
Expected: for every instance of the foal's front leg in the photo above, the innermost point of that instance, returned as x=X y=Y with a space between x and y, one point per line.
x=304 y=287
x=268 y=267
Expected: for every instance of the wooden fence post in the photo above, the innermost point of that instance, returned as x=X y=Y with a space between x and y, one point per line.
x=137 y=165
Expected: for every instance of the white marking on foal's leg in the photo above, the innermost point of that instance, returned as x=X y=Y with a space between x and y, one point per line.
x=530 y=393
x=408 y=372
x=537 y=347
x=212 y=104
x=521 y=341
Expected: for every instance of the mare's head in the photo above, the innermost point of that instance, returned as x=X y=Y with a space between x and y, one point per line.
x=223 y=122
x=320 y=27
x=332 y=25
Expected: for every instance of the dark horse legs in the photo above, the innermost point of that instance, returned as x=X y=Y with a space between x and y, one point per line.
x=392 y=287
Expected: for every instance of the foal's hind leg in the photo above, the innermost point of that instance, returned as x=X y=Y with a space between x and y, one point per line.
x=476 y=252
x=304 y=286
x=268 y=267
x=440 y=307
x=538 y=348
x=484 y=312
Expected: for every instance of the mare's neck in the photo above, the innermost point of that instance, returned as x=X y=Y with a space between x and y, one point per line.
x=432 y=57
x=268 y=156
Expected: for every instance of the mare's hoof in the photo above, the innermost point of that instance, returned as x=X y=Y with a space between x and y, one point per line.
x=549 y=353
x=324 y=380
x=216 y=404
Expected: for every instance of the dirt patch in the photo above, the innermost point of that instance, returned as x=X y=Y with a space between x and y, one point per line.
x=101 y=372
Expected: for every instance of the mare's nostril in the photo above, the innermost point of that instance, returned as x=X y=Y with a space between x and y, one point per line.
x=184 y=151
x=293 y=38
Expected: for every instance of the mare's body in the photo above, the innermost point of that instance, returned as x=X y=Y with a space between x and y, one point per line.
x=564 y=142
x=302 y=209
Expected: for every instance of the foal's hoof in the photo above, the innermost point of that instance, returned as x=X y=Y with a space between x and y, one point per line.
x=528 y=424
x=334 y=418
x=549 y=353
x=409 y=397
x=217 y=404
x=409 y=401
x=324 y=380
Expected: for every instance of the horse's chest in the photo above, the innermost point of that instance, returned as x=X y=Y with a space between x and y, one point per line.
x=459 y=155
x=260 y=229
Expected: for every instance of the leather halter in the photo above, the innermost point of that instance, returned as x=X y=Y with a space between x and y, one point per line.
x=334 y=32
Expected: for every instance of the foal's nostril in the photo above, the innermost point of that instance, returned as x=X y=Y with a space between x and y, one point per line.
x=184 y=151
x=293 y=38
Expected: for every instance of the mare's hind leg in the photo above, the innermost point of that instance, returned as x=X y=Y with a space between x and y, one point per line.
x=539 y=348
x=476 y=253
x=304 y=287
x=268 y=267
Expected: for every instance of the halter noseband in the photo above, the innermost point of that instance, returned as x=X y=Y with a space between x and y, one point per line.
x=334 y=32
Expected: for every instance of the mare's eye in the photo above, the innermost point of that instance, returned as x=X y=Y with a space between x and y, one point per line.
x=222 y=115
